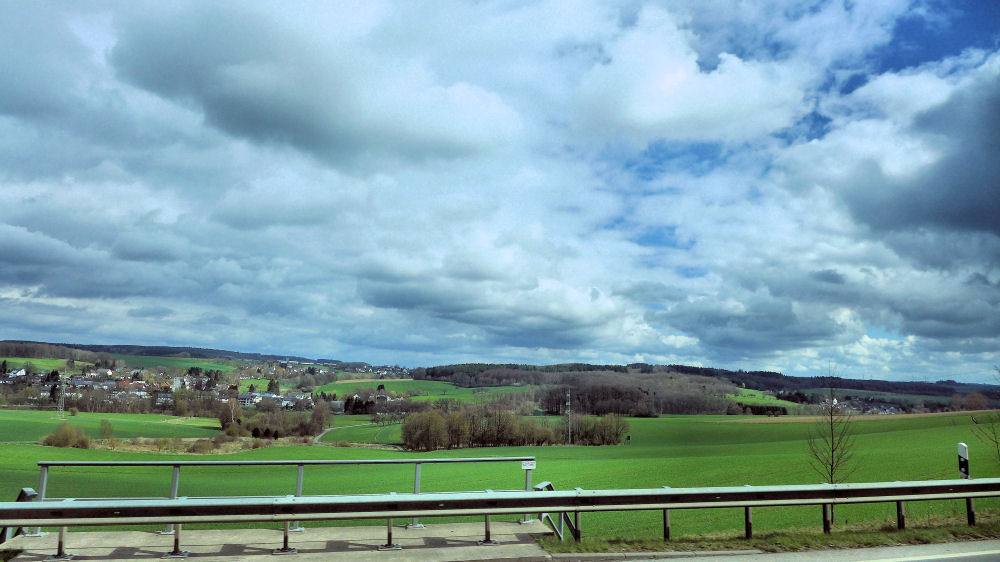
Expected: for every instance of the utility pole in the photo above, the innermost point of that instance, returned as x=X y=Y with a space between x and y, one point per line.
x=62 y=397
x=569 y=419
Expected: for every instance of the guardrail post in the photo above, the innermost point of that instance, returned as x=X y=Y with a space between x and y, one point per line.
x=43 y=481
x=61 y=547
x=177 y=552
x=174 y=484
x=284 y=543
x=296 y=528
x=970 y=512
x=389 y=545
x=666 y=524
x=487 y=540
x=900 y=516
x=747 y=523
x=415 y=524
x=826 y=518
x=577 y=531
x=527 y=488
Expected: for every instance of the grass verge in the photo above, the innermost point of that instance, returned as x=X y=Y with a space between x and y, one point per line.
x=929 y=530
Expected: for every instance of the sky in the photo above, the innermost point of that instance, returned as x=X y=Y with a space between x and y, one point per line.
x=797 y=186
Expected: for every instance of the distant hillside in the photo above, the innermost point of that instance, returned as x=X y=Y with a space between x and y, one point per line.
x=169 y=351
x=776 y=382
x=484 y=374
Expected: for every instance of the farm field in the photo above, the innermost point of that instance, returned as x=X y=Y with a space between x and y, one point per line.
x=422 y=389
x=260 y=385
x=749 y=396
x=677 y=451
x=359 y=429
x=42 y=364
x=29 y=426
x=146 y=361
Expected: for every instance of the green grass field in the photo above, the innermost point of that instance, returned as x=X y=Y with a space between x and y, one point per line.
x=358 y=429
x=260 y=385
x=422 y=389
x=32 y=425
x=676 y=451
x=749 y=396
x=147 y=361
x=42 y=364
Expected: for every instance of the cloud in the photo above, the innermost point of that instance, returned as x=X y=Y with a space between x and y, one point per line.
x=734 y=184
x=909 y=164
x=652 y=86
x=153 y=312
x=256 y=78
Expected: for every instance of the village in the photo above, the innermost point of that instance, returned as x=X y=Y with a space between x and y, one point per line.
x=164 y=389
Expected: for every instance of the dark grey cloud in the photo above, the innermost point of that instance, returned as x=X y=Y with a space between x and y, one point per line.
x=499 y=321
x=828 y=276
x=153 y=312
x=961 y=191
x=257 y=79
x=757 y=325
x=42 y=62
x=215 y=319
x=651 y=292
x=145 y=246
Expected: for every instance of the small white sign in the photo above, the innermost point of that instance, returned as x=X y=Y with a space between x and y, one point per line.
x=527 y=465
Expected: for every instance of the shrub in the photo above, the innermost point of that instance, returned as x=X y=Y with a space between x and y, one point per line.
x=67 y=436
x=201 y=447
x=74 y=411
x=221 y=438
x=106 y=430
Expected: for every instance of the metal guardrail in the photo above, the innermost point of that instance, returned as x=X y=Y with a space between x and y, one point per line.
x=69 y=512
x=564 y=520
x=7 y=533
x=43 y=478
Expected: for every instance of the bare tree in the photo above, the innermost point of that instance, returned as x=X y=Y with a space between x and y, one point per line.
x=831 y=441
x=986 y=427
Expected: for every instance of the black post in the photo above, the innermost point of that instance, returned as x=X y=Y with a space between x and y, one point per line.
x=970 y=512
x=748 y=522
x=900 y=516
x=666 y=524
x=826 y=518
x=576 y=526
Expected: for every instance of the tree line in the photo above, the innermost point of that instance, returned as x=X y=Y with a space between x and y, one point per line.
x=493 y=426
x=37 y=350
